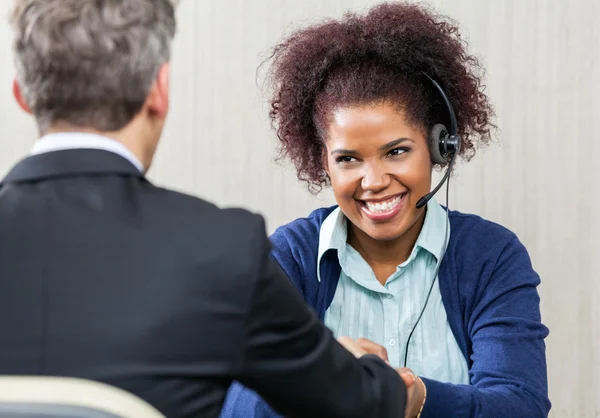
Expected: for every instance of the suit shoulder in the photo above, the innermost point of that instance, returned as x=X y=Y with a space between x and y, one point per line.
x=234 y=226
x=179 y=201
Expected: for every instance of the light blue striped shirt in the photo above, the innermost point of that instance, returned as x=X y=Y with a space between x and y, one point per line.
x=363 y=307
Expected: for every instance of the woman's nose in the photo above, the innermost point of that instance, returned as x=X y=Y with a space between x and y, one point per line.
x=375 y=179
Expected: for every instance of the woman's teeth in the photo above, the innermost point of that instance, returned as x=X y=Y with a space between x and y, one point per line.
x=382 y=207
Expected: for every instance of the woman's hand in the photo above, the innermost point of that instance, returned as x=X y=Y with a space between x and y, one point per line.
x=415 y=392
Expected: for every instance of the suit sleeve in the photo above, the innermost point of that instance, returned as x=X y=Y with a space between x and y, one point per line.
x=293 y=362
x=508 y=375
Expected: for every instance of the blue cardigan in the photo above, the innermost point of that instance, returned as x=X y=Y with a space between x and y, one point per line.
x=489 y=290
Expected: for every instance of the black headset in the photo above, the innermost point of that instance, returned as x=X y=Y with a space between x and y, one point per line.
x=444 y=146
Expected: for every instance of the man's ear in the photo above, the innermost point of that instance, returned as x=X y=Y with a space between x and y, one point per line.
x=158 y=99
x=18 y=94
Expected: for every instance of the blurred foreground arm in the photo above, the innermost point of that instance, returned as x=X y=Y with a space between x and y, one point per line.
x=292 y=360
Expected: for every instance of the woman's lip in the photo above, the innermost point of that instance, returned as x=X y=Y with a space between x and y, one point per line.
x=382 y=216
x=383 y=199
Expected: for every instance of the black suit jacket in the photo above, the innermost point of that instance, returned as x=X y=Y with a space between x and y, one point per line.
x=107 y=277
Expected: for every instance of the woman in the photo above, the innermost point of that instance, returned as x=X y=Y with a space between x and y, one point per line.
x=356 y=107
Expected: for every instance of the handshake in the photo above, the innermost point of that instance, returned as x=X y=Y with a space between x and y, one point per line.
x=416 y=390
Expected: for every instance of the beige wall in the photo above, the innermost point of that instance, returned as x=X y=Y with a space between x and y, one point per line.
x=543 y=60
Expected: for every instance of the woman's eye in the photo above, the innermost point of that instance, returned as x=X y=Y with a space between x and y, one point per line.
x=398 y=151
x=344 y=159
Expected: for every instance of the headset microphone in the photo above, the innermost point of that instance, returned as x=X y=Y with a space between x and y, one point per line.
x=423 y=201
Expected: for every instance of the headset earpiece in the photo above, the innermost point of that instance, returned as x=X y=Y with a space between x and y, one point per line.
x=442 y=145
x=452 y=145
x=436 y=143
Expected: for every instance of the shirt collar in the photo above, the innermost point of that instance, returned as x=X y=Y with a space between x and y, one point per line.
x=79 y=140
x=332 y=236
x=334 y=233
x=432 y=234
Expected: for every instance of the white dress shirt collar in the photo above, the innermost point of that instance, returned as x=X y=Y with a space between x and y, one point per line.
x=79 y=140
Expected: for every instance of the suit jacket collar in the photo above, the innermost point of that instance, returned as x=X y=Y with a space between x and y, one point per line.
x=69 y=163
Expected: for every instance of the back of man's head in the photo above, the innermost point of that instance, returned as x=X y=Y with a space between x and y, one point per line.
x=90 y=63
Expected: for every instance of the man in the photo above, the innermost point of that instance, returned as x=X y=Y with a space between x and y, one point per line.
x=107 y=277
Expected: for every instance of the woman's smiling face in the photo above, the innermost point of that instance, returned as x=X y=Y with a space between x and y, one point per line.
x=379 y=166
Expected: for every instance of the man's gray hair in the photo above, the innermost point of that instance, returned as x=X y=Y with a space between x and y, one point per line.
x=90 y=63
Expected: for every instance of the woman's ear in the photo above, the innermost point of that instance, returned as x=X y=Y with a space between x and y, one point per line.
x=325 y=161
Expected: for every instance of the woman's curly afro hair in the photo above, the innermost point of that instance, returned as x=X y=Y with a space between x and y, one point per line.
x=376 y=57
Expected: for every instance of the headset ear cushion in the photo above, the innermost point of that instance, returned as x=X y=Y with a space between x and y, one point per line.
x=435 y=139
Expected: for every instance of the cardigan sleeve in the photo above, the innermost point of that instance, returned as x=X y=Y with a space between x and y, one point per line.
x=508 y=373
x=288 y=257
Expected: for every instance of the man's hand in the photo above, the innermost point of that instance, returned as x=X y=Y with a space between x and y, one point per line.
x=351 y=345
x=373 y=348
x=363 y=346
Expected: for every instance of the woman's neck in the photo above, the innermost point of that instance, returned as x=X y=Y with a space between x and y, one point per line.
x=384 y=256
